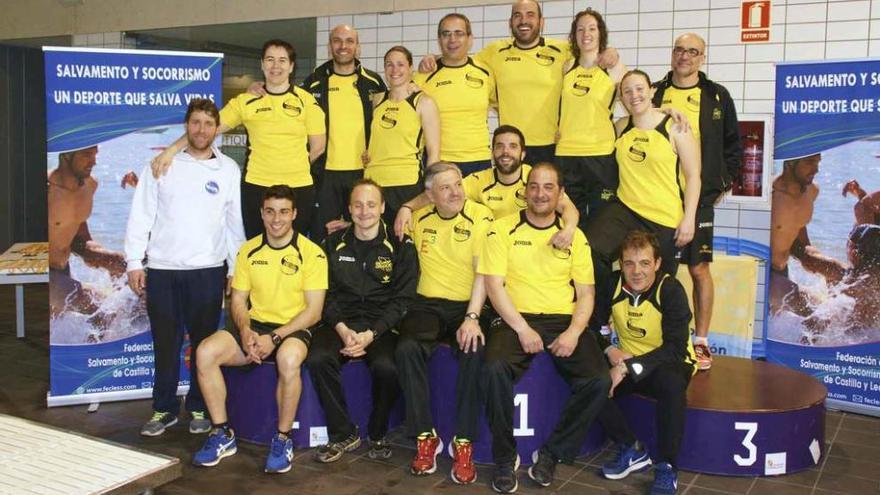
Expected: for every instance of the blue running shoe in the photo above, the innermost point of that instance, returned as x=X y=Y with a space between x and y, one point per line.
x=665 y=480
x=217 y=446
x=629 y=460
x=280 y=455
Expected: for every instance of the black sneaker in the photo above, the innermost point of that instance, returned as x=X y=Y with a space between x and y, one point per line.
x=379 y=449
x=542 y=468
x=504 y=480
x=333 y=451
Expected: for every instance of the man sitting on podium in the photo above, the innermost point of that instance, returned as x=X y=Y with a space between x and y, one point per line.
x=650 y=313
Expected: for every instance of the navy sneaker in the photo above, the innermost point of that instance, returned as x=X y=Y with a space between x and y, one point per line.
x=543 y=467
x=217 y=446
x=629 y=460
x=665 y=480
x=280 y=455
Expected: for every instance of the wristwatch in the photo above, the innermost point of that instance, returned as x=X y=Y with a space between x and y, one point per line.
x=472 y=316
x=276 y=339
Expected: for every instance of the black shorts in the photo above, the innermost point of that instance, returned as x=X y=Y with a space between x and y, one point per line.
x=261 y=328
x=699 y=250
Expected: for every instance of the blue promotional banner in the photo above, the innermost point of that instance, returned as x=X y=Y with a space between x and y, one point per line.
x=108 y=113
x=825 y=237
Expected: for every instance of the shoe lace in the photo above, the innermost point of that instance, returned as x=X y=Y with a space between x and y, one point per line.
x=277 y=446
x=425 y=449
x=157 y=416
x=214 y=440
x=666 y=477
x=463 y=453
x=198 y=415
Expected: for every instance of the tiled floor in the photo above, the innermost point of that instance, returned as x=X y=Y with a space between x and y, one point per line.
x=852 y=465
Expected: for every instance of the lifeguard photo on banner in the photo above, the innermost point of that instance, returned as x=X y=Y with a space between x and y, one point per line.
x=108 y=113
x=825 y=238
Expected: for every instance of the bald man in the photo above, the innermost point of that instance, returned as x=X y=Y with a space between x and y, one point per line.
x=712 y=116
x=343 y=88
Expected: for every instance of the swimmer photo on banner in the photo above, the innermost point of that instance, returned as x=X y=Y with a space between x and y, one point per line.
x=108 y=113
x=825 y=233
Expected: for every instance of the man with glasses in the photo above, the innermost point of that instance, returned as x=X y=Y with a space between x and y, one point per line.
x=712 y=116
x=462 y=89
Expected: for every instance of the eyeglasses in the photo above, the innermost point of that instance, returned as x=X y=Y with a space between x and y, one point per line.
x=453 y=34
x=692 y=52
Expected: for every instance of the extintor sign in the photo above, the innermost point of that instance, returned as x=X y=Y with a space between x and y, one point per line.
x=755 y=24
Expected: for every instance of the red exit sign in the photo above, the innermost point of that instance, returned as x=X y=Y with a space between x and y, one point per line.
x=755 y=21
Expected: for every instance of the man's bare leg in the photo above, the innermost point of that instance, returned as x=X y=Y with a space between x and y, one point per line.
x=289 y=358
x=220 y=349
x=704 y=298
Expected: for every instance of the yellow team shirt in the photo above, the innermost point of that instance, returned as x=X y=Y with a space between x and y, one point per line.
x=585 y=125
x=447 y=247
x=346 y=137
x=396 y=142
x=686 y=101
x=651 y=181
x=277 y=278
x=503 y=199
x=462 y=94
x=537 y=275
x=278 y=127
x=638 y=321
x=528 y=84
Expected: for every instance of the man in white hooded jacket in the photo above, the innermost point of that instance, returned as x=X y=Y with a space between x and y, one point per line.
x=187 y=224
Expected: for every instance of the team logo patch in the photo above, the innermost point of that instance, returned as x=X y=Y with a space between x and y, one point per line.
x=693 y=102
x=389 y=118
x=519 y=198
x=383 y=264
x=473 y=80
x=212 y=187
x=563 y=254
x=581 y=88
x=634 y=330
x=291 y=109
x=545 y=58
x=289 y=265
x=461 y=231
x=636 y=153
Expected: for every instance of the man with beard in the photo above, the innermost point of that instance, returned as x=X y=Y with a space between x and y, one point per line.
x=186 y=223
x=794 y=195
x=711 y=114
x=528 y=77
x=545 y=297
x=502 y=188
x=71 y=191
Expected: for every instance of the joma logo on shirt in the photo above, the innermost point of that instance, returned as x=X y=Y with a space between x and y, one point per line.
x=512 y=59
x=264 y=109
x=259 y=262
x=442 y=83
x=522 y=243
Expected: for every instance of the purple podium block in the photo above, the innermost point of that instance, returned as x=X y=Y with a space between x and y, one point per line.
x=253 y=410
x=538 y=399
x=744 y=418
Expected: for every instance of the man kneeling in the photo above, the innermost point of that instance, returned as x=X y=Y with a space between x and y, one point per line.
x=284 y=277
x=650 y=313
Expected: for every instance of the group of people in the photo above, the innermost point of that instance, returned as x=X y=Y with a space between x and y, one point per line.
x=377 y=219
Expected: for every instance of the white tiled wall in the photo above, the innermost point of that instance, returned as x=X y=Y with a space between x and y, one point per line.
x=643 y=32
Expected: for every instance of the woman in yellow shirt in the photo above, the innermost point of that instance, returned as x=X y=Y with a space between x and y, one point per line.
x=585 y=149
x=405 y=124
x=659 y=175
